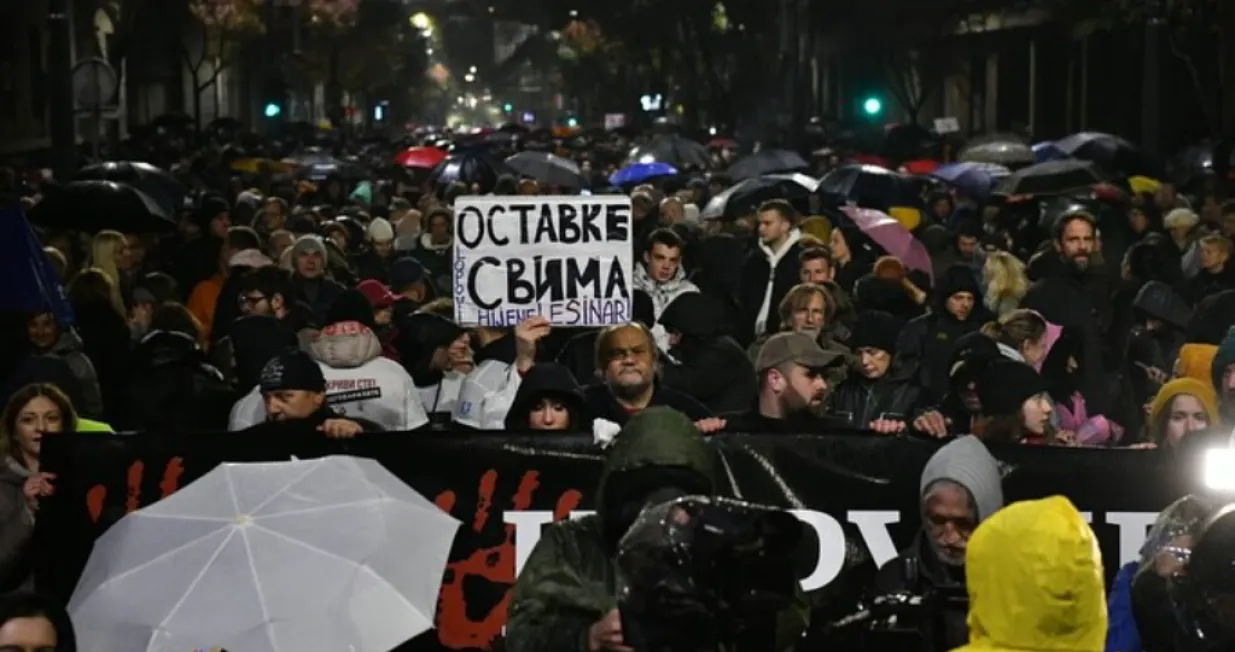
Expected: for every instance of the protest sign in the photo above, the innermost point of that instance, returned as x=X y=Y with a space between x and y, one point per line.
x=566 y=258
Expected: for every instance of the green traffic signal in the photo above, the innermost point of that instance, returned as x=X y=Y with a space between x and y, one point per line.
x=872 y=106
x=273 y=110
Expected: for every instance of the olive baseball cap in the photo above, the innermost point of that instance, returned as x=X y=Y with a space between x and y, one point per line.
x=797 y=348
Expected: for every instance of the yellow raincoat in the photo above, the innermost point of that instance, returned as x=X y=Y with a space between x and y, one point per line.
x=1034 y=575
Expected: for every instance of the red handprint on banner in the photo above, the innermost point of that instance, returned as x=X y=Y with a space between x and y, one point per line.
x=96 y=497
x=495 y=564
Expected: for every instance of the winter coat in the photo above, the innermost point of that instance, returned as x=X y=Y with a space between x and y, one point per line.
x=927 y=341
x=1122 y=634
x=436 y=260
x=318 y=294
x=360 y=383
x=1014 y=593
x=601 y=403
x=16 y=529
x=172 y=387
x=707 y=365
x=106 y=340
x=70 y=349
x=570 y=580
x=894 y=396
x=967 y=462
x=766 y=279
x=1066 y=297
x=548 y=379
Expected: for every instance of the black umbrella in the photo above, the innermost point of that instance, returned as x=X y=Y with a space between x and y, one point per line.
x=225 y=124
x=746 y=196
x=1049 y=178
x=547 y=168
x=672 y=149
x=317 y=164
x=94 y=205
x=470 y=166
x=768 y=161
x=870 y=186
x=156 y=182
x=172 y=121
x=514 y=128
x=1111 y=153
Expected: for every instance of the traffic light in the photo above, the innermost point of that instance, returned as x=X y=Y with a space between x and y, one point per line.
x=872 y=106
x=275 y=98
x=508 y=107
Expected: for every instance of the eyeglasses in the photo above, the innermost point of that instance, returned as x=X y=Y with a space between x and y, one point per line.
x=251 y=301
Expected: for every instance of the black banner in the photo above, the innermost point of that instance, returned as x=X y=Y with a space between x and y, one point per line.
x=858 y=492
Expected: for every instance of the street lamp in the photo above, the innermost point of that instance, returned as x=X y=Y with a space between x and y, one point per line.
x=472 y=70
x=469 y=78
x=421 y=21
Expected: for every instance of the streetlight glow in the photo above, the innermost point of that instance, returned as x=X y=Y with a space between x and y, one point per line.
x=472 y=70
x=420 y=20
x=469 y=78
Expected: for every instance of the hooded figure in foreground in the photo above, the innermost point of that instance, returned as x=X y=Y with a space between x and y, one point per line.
x=1034 y=575
x=566 y=597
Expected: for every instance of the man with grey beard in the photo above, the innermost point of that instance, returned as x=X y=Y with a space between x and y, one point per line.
x=960 y=488
x=626 y=359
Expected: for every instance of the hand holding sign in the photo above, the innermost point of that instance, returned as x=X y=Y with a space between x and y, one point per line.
x=527 y=334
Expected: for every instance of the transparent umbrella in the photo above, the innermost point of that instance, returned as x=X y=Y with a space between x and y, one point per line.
x=334 y=553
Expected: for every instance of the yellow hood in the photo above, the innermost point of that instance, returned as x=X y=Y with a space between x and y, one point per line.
x=1034 y=575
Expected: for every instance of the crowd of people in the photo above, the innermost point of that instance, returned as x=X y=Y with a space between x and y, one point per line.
x=329 y=305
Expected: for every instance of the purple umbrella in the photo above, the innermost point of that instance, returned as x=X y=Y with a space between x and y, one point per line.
x=893 y=237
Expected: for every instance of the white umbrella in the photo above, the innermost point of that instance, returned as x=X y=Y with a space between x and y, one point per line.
x=327 y=554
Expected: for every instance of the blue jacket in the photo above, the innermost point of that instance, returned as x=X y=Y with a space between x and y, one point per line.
x=1121 y=633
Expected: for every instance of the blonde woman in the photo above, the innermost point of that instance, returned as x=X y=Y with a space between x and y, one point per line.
x=109 y=253
x=1006 y=282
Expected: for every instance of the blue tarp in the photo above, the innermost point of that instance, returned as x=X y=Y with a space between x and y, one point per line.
x=31 y=281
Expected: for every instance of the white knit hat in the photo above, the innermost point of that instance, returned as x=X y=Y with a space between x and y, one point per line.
x=380 y=230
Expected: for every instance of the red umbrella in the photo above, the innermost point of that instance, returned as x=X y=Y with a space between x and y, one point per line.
x=722 y=143
x=920 y=166
x=420 y=157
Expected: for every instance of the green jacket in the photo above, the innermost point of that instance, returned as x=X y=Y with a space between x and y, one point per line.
x=570 y=580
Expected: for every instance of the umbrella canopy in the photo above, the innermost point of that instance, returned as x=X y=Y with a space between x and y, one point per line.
x=1111 y=153
x=974 y=179
x=1001 y=152
x=746 y=196
x=637 y=173
x=1047 y=151
x=768 y=161
x=672 y=149
x=888 y=233
x=97 y=205
x=1049 y=178
x=425 y=158
x=865 y=184
x=319 y=165
x=156 y=182
x=31 y=284
x=470 y=166
x=547 y=168
x=333 y=553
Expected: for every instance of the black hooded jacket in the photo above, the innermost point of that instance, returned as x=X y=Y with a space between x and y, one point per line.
x=710 y=367
x=548 y=379
x=927 y=341
x=172 y=387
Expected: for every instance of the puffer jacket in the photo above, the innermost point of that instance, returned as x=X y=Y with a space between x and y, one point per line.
x=570 y=580
x=894 y=396
x=1016 y=562
x=360 y=383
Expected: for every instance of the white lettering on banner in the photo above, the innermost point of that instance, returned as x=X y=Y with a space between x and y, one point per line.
x=566 y=258
x=872 y=528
